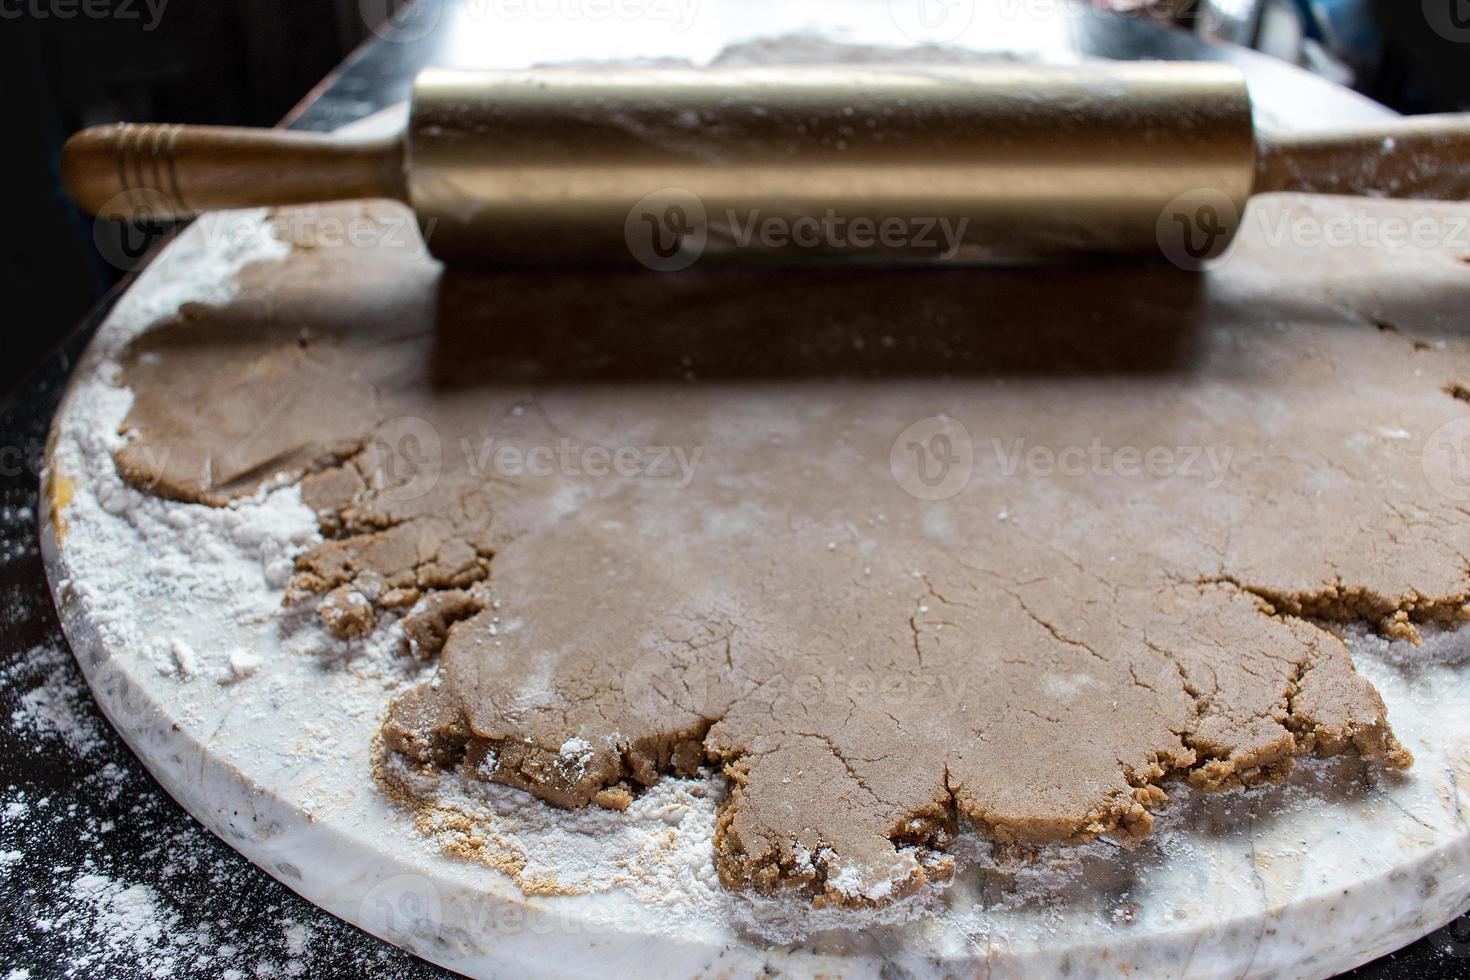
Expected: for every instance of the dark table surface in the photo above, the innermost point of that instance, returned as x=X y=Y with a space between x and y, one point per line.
x=101 y=873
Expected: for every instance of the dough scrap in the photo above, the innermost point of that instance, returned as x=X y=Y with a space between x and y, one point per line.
x=1045 y=652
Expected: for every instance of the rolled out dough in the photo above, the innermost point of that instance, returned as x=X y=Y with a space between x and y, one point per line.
x=896 y=549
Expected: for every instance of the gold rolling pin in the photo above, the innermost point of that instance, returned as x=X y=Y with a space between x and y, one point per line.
x=552 y=165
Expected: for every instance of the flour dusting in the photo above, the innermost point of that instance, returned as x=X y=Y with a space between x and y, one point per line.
x=53 y=709
x=199 y=911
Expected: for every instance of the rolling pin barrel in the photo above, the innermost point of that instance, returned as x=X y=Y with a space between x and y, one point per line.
x=978 y=163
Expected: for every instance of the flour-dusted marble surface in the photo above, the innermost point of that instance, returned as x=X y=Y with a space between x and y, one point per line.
x=262 y=729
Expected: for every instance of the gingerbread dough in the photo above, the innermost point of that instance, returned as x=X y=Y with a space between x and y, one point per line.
x=896 y=550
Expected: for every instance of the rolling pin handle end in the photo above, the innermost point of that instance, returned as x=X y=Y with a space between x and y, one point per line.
x=169 y=172
x=125 y=171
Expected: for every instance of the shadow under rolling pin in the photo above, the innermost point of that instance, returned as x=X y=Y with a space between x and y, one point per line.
x=993 y=163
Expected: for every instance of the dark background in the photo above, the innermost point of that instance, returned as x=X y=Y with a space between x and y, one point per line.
x=236 y=62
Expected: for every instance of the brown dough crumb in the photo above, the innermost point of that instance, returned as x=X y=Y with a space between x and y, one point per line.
x=396 y=565
x=331 y=493
x=427 y=727
x=347 y=612
x=740 y=572
x=618 y=797
x=428 y=627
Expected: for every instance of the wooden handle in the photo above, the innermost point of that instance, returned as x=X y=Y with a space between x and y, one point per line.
x=1425 y=158
x=120 y=170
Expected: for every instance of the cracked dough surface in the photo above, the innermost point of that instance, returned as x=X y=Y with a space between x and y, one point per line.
x=1046 y=654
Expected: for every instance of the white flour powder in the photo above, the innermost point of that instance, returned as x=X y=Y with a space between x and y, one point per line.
x=99 y=921
x=54 y=708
